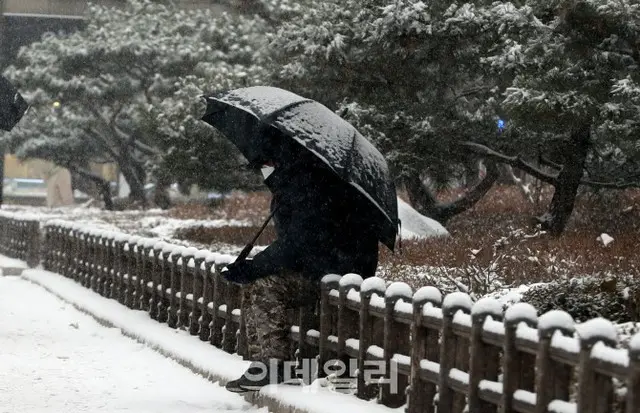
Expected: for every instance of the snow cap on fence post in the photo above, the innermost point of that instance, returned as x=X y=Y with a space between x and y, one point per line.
x=597 y=329
x=159 y=247
x=330 y=282
x=373 y=285
x=190 y=252
x=211 y=258
x=456 y=301
x=398 y=291
x=201 y=255
x=485 y=307
x=634 y=347
x=426 y=295
x=521 y=312
x=554 y=320
x=167 y=249
x=133 y=242
x=349 y=281
x=148 y=243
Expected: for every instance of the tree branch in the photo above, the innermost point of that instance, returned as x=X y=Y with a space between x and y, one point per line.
x=549 y=178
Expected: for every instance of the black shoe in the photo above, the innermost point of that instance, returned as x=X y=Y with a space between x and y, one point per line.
x=261 y=374
x=234 y=387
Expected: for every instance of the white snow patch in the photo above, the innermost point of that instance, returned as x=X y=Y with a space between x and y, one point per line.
x=399 y=289
x=428 y=294
x=416 y=225
x=561 y=406
x=605 y=239
x=556 y=319
x=350 y=280
x=597 y=328
x=457 y=299
x=487 y=305
x=373 y=284
x=521 y=312
x=78 y=365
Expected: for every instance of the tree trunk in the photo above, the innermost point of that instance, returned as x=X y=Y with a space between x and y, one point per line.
x=568 y=182
x=160 y=194
x=425 y=202
x=102 y=184
x=131 y=173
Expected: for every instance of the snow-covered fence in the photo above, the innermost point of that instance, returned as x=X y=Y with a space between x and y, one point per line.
x=442 y=352
x=20 y=237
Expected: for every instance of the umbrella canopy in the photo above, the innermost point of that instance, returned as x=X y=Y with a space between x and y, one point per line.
x=254 y=117
x=12 y=105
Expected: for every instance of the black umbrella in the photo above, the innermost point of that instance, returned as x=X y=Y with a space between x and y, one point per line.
x=254 y=117
x=12 y=105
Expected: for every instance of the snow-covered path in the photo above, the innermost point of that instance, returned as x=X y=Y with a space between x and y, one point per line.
x=54 y=358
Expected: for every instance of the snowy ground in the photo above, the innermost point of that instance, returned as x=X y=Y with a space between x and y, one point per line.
x=56 y=359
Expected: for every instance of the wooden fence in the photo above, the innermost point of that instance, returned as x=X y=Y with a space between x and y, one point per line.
x=443 y=354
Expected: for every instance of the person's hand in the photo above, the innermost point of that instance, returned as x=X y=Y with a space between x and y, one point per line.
x=237 y=272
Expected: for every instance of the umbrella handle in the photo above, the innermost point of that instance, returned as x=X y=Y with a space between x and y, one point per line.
x=247 y=249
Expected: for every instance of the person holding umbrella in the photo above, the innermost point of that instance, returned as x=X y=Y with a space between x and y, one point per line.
x=333 y=200
x=12 y=105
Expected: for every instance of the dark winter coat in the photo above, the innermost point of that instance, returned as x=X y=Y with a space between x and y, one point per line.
x=12 y=105
x=322 y=226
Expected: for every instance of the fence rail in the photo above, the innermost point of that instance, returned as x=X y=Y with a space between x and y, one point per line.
x=444 y=354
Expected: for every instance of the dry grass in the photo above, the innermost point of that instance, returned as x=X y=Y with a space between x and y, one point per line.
x=496 y=236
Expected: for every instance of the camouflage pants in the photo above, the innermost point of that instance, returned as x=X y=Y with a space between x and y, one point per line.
x=268 y=305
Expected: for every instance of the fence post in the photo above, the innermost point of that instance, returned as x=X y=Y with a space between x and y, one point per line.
x=185 y=286
x=485 y=362
x=108 y=265
x=156 y=274
x=117 y=267
x=347 y=319
x=595 y=391
x=146 y=275
x=552 y=382
x=423 y=346
x=207 y=297
x=95 y=262
x=369 y=287
x=396 y=339
x=172 y=311
x=329 y=282
x=196 y=291
x=452 y=303
x=233 y=300
x=33 y=243
x=165 y=282
x=633 y=376
x=134 y=272
x=517 y=372
x=217 y=323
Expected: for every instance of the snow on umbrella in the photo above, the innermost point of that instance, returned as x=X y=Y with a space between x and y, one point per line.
x=12 y=105
x=252 y=117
